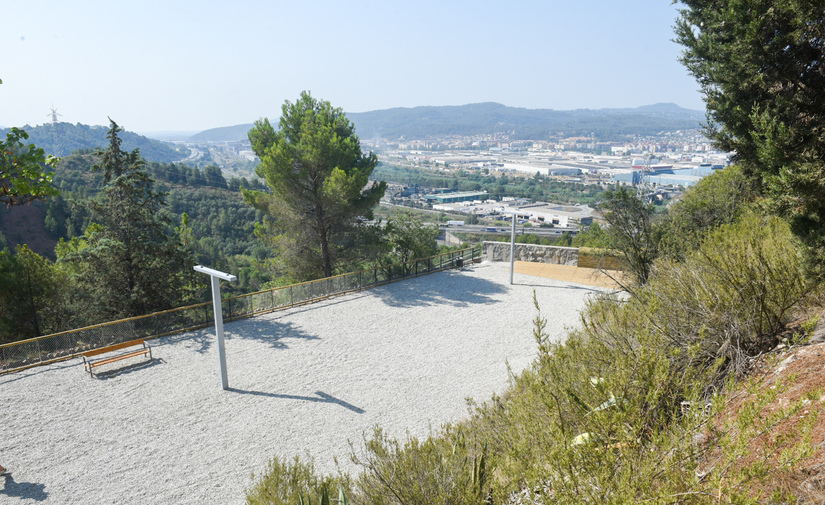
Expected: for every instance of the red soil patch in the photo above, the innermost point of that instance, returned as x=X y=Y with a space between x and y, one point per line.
x=799 y=373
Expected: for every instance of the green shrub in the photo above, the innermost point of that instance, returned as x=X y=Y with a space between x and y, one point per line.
x=731 y=298
x=584 y=424
x=612 y=416
x=297 y=483
x=448 y=469
x=715 y=201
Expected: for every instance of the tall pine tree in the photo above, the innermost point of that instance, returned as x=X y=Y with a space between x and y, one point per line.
x=130 y=260
x=320 y=186
x=761 y=68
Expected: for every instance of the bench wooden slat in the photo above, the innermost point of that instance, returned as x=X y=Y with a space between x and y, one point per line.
x=114 y=347
x=90 y=364
x=118 y=358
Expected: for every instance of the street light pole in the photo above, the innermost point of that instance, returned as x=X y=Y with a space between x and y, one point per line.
x=218 y=311
x=512 y=243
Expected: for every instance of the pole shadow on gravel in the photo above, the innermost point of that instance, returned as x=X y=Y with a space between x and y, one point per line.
x=321 y=398
x=567 y=286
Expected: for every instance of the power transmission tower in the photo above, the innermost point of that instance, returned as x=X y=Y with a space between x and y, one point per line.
x=54 y=115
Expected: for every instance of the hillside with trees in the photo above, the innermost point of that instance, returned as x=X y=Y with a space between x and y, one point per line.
x=117 y=240
x=61 y=139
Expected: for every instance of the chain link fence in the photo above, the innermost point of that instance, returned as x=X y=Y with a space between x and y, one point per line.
x=68 y=344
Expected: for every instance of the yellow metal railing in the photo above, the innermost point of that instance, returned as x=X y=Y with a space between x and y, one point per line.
x=68 y=344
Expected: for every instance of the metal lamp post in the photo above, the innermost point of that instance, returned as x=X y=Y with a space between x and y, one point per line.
x=513 y=215
x=216 y=277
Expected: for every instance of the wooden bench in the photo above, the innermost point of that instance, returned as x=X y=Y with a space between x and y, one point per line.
x=90 y=364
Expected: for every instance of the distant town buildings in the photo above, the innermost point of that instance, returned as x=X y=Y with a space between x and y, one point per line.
x=677 y=159
x=662 y=166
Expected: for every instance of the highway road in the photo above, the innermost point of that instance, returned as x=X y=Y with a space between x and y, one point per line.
x=505 y=230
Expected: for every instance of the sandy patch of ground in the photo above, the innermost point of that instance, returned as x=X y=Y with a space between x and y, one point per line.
x=568 y=273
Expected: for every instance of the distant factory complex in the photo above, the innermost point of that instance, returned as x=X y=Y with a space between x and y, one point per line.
x=662 y=168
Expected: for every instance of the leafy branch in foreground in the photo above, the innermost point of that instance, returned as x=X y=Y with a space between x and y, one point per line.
x=24 y=170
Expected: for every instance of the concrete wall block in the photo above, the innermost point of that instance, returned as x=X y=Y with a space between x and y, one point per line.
x=500 y=251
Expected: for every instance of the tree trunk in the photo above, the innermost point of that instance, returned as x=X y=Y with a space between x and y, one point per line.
x=326 y=260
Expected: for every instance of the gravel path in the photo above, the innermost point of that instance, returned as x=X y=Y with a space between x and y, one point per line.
x=310 y=379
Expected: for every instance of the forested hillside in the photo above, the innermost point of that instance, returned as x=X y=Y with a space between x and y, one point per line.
x=61 y=139
x=205 y=195
x=48 y=243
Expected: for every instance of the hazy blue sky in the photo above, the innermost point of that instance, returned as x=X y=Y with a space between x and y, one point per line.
x=193 y=65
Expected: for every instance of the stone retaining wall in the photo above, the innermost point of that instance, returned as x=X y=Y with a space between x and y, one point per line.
x=500 y=251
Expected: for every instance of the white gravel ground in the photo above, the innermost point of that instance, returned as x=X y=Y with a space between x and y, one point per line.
x=404 y=356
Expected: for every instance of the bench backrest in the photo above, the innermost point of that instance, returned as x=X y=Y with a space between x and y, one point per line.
x=115 y=347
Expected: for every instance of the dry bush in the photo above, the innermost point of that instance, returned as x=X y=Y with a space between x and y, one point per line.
x=731 y=298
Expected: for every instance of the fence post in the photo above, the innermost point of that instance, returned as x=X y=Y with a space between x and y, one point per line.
x=291 y=300
x=39 y=356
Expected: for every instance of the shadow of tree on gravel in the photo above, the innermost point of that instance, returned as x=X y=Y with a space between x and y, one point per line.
x=321 y=398
x=202 y=339
x=448 y=287
x=271 y=332
x=24 y=490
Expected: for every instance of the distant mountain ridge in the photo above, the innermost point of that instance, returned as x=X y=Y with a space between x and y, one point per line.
x=223 y=134
x=492 y=117
x=61 y=139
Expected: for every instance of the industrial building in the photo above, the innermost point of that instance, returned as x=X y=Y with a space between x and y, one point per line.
x=557 y=215
x=466 y=196
x=685 y=177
